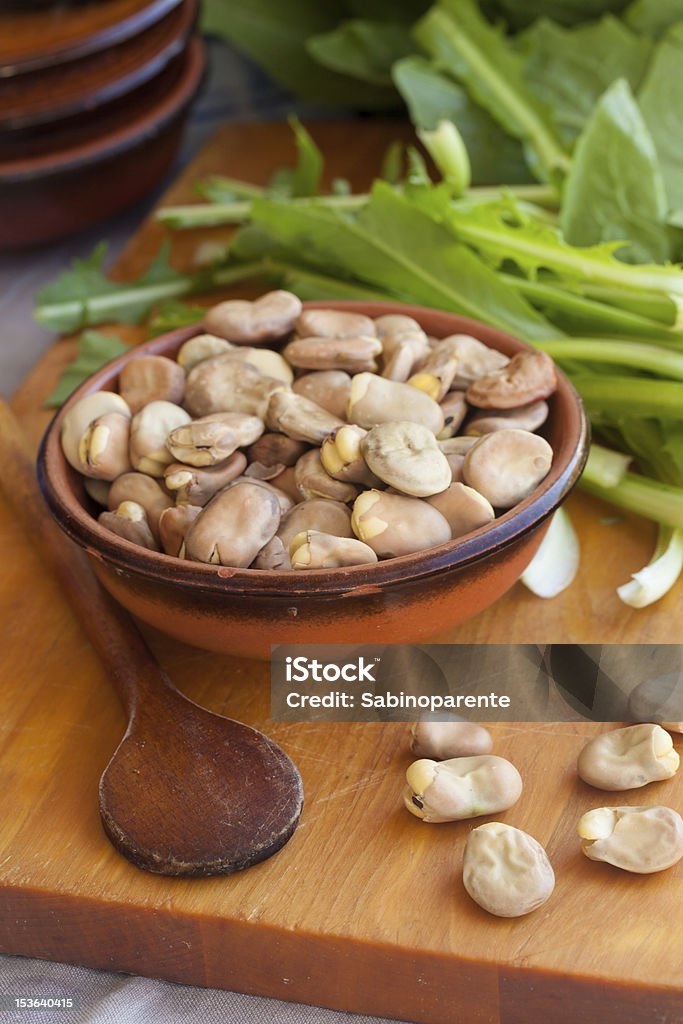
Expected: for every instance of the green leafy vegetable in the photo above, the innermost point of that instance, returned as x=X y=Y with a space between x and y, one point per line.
x=653 y=305
x=639 y=494
x=218 y=189
x=576 y=314
x=653 y=17
x=615 y=189
x=463 y=44
x=75 y=299
x=395 y=246
x=84 y=296
x=364 y=49
x=172 y=315
x=566 y=12
x=661 y=101
x=275 y=34
x=432 y=96
x=614 y=394
x=650 y=358
x=304 y=178
x=502 y=231
x=405 y=11
x=310 y=286
x=570 y=68
x=448 y=151
x=94 y=351
x=392 y=163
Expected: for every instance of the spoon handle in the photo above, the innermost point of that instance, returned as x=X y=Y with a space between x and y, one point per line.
x=109 y=628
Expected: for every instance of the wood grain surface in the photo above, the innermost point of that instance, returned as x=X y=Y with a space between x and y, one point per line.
x=364 y=909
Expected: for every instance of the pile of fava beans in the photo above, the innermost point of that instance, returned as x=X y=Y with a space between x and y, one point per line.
x=293 y=439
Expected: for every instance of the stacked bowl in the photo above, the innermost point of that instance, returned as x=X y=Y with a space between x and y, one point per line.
x=93 y=99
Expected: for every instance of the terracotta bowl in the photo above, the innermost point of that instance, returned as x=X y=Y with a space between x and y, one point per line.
x=32 y=39
x=79 y=88
x=400 y=600
x=54 y=192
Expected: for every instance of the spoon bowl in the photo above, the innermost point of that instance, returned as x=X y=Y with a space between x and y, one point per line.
x=187 y=792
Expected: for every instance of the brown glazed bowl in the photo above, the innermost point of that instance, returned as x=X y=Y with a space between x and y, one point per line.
x=90 y=175
x=400 y=600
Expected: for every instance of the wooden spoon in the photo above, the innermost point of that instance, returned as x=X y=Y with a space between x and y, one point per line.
x=187 y=792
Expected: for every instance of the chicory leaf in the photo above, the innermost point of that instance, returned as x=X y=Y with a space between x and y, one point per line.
x=653 y=17
x=432 y=96
x=172 y=315
x=406 y=11
x=462 y=43
x=615 y=189
x=520 y=13
x=304 y=178
x=570 y=68
x=83 y=296
x=364 y=49
x=78 y=296
x=576 y=314
x=502 y=231
x=391 y=169
x=394 y=245
x=661 y=101
x=274 y=34
x=218 y=189
x=94 y=351
x=449 y=153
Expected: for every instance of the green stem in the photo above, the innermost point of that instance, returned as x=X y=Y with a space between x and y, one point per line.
x=639 y=494
x=651 y=305
x=229 y=186
x=605 y=466
x=212 y=214
x=204 y=215
x=104 y=308
x=309 y=285
x=518 y=245
x=553 y=298
x=540 y=195
x=448 y=44
x=651 y=358
x=631 y=396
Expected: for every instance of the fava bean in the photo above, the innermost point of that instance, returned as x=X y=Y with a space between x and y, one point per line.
x=506 y=871
x=628 y=758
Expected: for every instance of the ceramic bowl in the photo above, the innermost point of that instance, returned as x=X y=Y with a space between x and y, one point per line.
x=31 y=39
x=84 y=178
x=400 y=600
x=83 y=88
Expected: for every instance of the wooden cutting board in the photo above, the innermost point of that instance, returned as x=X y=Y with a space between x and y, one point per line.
x=364 y=909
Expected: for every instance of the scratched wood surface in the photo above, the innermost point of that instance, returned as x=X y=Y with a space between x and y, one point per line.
x=364 y=909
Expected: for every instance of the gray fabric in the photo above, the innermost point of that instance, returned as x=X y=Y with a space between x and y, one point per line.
x=106 y=998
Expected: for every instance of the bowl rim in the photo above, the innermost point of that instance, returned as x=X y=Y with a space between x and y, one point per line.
x=169 y=35
x=480 y=544
x=117 y=29
x=148 y=123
